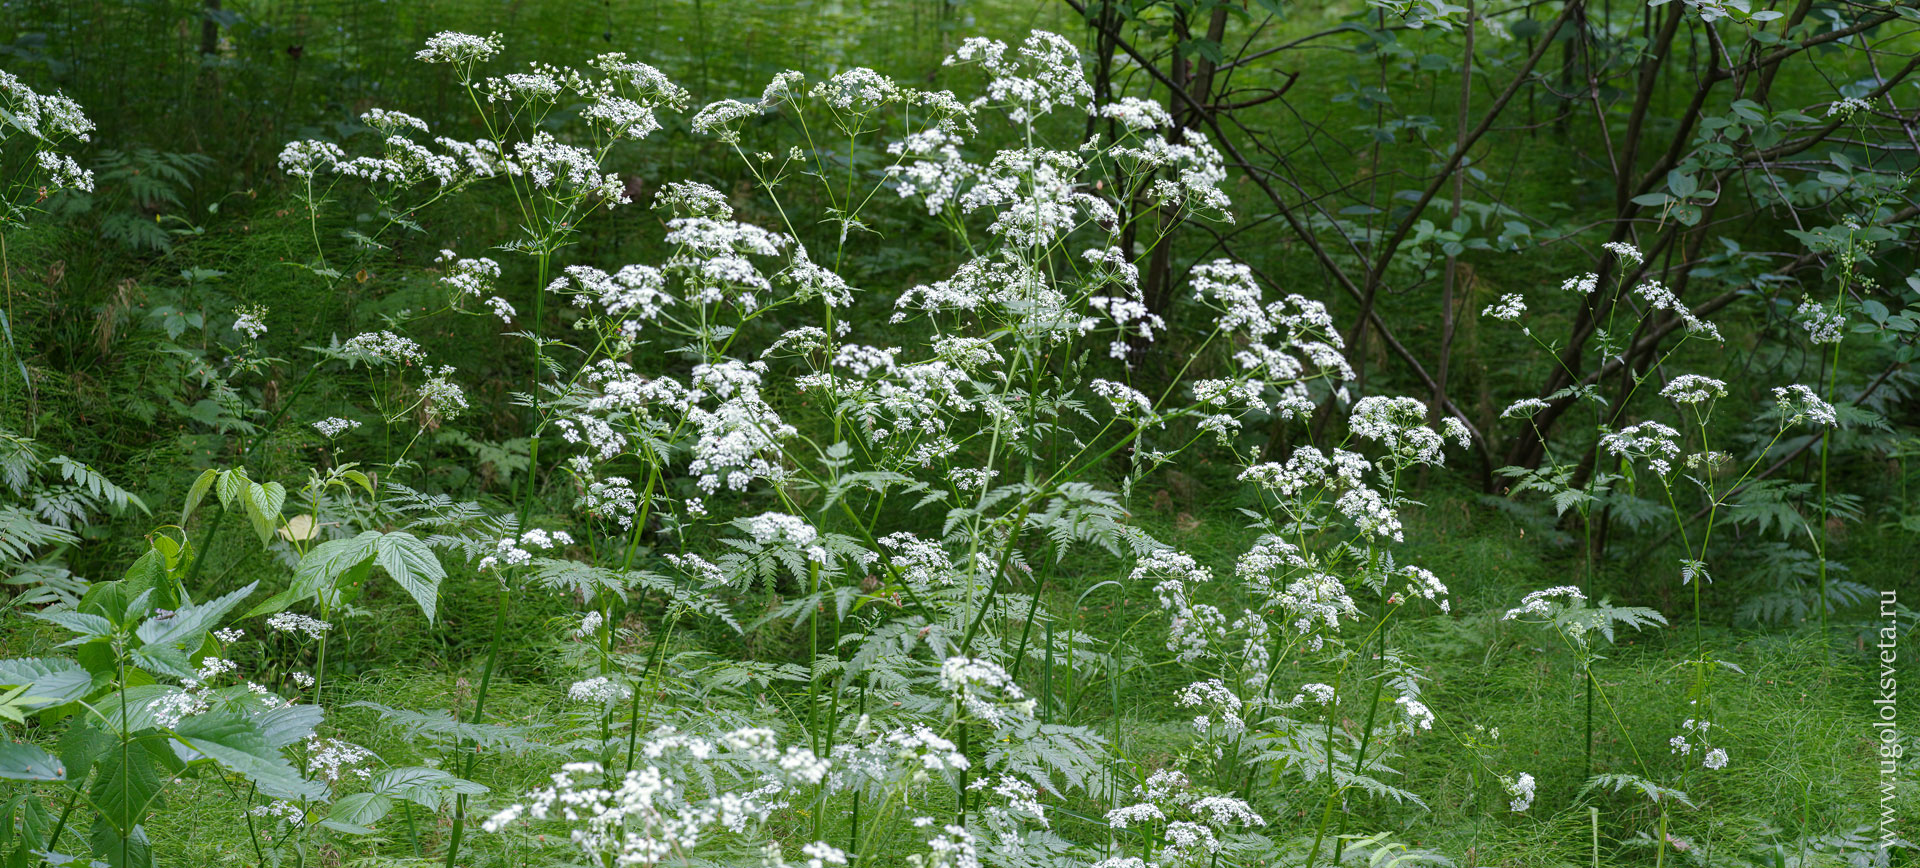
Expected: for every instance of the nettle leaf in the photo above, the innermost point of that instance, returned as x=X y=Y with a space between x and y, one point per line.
x=122 y=849
x=413 y=565
x=422 y=786
x=126 y=790
x=25 y=762
x=191 y=621
x=164 y=659
x=80 y=746
x=49 y=680
x=319 y=570
x=289 y=724
x=354 y=814
x=89 y=627
x=236 y=743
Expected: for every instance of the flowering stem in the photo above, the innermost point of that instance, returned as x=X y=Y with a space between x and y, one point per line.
x=320 y=666
x=1366 y=738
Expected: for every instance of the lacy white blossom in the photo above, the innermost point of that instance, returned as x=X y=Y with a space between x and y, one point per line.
x=1798 y=403
x=1624 y=251
x=1521 y=789
x=1585 y=284
x=1823 y=326
x=517 y=551
x=1044 y=73
x=329 y=758
x=599 y=690
x=1657 y=444
x=334 y=426
x=289 y=622
x=450 y=47
x=1543 y=603
x=1508 y=308
x=1694 y=389
x=1137 y=114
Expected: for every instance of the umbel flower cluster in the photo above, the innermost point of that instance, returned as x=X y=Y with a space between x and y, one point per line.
x=901 y=471
x=44 y=125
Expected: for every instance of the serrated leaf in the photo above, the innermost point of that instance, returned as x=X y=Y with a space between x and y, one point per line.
x=88 y=626
x=289 y=724
x=360 y=479
x=354 y=814
x=318 y=570
x=413 y=565
x=124 y=791
x=50 y=680
x=190 y=621
x=422 y=786
x=123 y=848
x=25 y=762
x=231 y=486
x=198 y=492
x=237 y=744
x=263 y=508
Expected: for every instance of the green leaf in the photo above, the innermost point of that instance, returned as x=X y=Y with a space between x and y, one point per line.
x=148 y=572
x=263 y=508
x=25 y=762
x=231 y=486
x=52 y=680
x=88 y=626
x=238 y=744
x=353 y=814
x=413 y=565
x=80 y=746
x=288 y=724
x=122 y=849
x=422 y=786
x=1682 y=184
x=358 y=478
x=197 y=492
x=125 y=791
x=318 y=571
x=191 y=621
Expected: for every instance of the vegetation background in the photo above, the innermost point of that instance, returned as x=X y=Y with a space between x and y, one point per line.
x=1345 y=119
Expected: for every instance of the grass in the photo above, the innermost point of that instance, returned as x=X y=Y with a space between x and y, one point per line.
x=1797 y=714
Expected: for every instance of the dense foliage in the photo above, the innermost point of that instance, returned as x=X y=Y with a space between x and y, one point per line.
x=1078 y=448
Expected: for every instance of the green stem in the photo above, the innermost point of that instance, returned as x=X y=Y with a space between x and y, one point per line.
x=479 y=709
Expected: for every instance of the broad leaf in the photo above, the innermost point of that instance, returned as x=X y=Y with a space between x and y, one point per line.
x=126 y=848
x=322 y=565
x=88 y=626
x=125 y=790
x=354 y=813
x=263 y=508
x=238 y=744
x=197 y=492
x=288 y=724
x=423 y=786
x=25 y=762
x=191 y=621
x=413 y=565
x=53 y=680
